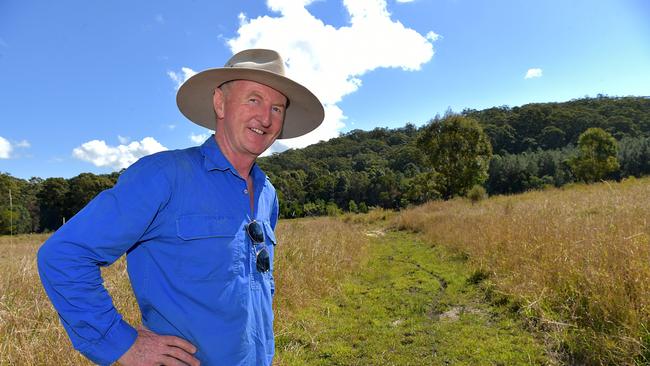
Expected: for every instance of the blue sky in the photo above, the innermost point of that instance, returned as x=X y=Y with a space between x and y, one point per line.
x=89 y=86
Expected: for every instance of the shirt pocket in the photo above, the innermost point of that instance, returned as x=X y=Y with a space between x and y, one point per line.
x=268 y=231
x=208 y=247
x=270 y=243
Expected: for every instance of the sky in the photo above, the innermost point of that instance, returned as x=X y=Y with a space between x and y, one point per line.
x=90 y=85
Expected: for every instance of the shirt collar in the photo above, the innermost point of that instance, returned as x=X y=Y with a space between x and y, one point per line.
x=214 y=159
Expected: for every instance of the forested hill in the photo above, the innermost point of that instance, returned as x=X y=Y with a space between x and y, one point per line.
x=555 y=125
x=386 y=167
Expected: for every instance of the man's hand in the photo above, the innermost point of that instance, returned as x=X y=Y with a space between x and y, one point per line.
x=152 y=349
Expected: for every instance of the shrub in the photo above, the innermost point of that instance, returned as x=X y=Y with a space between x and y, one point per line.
x=477 y=193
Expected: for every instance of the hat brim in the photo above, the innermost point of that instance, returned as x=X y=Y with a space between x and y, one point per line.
x=194 y=99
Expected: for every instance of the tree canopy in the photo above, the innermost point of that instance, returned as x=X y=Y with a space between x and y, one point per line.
x=459 y=151
x=596 y=156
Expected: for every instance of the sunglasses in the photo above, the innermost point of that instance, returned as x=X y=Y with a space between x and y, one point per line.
x=256 y=233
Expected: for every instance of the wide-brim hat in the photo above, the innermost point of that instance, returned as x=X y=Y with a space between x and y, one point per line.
x=304 y=113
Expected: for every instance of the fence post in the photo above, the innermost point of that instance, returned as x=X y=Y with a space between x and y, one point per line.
x=11 y=219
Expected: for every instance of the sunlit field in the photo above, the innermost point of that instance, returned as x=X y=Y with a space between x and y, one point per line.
x=574 y=261
x=313 y=255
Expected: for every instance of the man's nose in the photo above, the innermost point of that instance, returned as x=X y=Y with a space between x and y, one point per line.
x=265 y=116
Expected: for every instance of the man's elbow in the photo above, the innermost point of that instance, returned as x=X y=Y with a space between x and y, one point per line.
x=48 y=260
x=44 y=258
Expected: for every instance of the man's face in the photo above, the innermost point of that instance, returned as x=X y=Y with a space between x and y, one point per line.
x=250 y=117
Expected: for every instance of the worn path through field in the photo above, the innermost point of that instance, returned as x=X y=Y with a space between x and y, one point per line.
x=411 y=304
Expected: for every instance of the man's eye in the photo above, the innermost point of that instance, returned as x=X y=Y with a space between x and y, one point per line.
x=277 y=109
x=253 y=100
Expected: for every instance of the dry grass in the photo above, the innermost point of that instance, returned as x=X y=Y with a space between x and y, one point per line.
x=30 y=333
x=312 y=256
x=376 y=216
x=575 y=261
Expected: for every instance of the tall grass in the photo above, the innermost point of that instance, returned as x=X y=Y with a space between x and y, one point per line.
x=574 y=261
x=311 y=258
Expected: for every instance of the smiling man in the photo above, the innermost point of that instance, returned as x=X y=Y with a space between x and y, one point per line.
x=197 y=227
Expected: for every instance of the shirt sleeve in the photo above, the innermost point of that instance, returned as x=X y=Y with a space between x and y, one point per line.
x=69 y=261
x=275 y=212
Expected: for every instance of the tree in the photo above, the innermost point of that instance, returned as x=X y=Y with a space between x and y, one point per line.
x=551 y=137
x=82 y=189
x=423 y=187
x=352 y=207
x=459 y=151
x=16 y=213
x=634 y=156
x=596 y=157
x=51 y=200
x=15 y=220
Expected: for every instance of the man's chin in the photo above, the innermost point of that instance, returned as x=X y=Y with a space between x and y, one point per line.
x=257 y=151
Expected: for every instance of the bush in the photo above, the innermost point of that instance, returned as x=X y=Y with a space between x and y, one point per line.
x=477 y=193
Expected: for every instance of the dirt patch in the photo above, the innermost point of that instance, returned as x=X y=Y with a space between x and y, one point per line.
x=375 y=233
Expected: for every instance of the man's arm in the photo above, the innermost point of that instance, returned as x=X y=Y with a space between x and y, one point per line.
x=69 y=262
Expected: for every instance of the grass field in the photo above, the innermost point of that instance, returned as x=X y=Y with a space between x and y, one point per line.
x=314 y=256
x=411 y=304
x=570 y=265
x=575 y=262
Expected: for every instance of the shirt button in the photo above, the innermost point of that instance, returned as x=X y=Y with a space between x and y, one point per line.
x=245 y=191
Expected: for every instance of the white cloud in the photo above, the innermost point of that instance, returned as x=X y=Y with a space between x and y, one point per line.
x=200 y=138
x=171 y=127
x=180 y=77
x=533 y=73
x=123 y=140
x=5 y=148
x=331 y=61
x=116 y=157
x=432 y=36
x=23 y=144
x=405 y=1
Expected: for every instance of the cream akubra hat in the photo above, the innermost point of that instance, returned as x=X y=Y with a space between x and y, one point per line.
x=304 y=112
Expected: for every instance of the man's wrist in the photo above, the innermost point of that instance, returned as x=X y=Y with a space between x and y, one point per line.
x=115 y=343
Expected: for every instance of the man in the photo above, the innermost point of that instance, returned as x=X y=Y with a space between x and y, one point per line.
x=197 y=226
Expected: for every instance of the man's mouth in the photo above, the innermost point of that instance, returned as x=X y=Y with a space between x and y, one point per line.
x=257 y=131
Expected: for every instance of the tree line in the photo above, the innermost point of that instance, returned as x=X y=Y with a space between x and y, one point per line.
x=501 y=150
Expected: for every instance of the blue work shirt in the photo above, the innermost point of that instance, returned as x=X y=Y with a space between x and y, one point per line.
x=180 y=217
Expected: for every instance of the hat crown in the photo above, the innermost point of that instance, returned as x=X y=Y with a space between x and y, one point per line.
x=260 y=59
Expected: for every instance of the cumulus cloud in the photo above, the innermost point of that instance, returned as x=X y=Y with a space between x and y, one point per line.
x=200 y=138
x=533 y=73
x=5 y=148
x=123 y=140
x=330 y=61
x=180 y=77
x=119 y=157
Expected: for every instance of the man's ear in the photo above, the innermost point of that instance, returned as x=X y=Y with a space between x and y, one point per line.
x=218 y=102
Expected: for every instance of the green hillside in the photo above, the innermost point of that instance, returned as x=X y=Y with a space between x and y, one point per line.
x=387 y=168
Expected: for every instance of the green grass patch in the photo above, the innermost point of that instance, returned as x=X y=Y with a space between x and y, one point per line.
x=412 y=304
